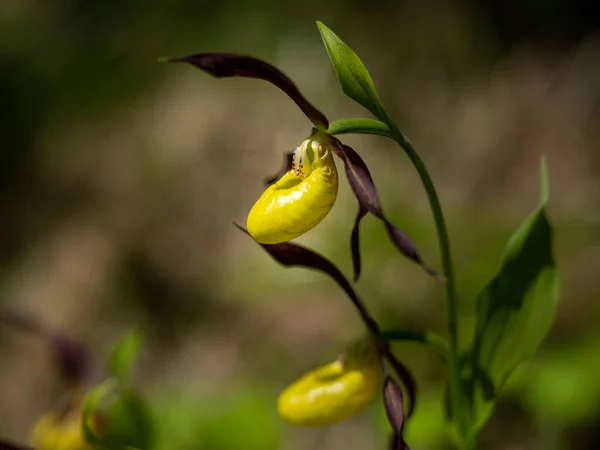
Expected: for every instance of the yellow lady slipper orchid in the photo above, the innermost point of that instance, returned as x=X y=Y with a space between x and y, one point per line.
x=301 y=198
x=56 y=431
x=334 y=392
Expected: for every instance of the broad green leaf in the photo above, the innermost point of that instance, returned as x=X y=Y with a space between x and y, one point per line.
x=515 y=310
x=351 y=73
x=124 y=355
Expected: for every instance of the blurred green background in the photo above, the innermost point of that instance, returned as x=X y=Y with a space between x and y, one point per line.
x=119 y=179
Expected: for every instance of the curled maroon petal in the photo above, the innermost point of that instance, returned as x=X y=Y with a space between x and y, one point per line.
x=223 y=65
x=363 y=187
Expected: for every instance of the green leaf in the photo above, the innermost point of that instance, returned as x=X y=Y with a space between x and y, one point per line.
x=359 y=126
x=515 y=310
x=351 y=73
x=124 y=355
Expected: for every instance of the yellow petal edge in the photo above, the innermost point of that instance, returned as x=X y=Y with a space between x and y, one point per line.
x=334 y=392
x=301 y=198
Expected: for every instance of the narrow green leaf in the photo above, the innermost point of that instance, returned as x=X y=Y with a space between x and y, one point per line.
x=351 y=73
x=124 y=355
x=515 y=310
x=360 y=126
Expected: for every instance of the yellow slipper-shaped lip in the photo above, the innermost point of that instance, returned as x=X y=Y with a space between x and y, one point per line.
x=334 y=392
x=300 y=199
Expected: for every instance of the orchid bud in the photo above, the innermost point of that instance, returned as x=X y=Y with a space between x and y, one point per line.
x=301 y=198
x=334 y=392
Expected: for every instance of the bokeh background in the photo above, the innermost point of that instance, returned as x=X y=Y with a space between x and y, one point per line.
x=120 y=177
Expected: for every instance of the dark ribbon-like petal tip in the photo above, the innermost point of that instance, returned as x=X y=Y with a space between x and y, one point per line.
x=354 y=243
x=438 y=276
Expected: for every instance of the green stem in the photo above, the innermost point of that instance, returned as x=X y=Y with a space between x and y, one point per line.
x=440 y=224
x=370 y=126
x=431 y=339
x=389 y=129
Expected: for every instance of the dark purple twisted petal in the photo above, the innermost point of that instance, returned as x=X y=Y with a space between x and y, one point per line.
x=393 y=399
x=405 y=377
x=294 y=255
x=68 y=354
x=360 y=179
x=354 y=243
x=397 y=442
x=287 y=166
x=223 y=65
x=363 y=187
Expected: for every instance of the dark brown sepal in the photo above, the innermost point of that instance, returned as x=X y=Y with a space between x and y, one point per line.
x=224 y=65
